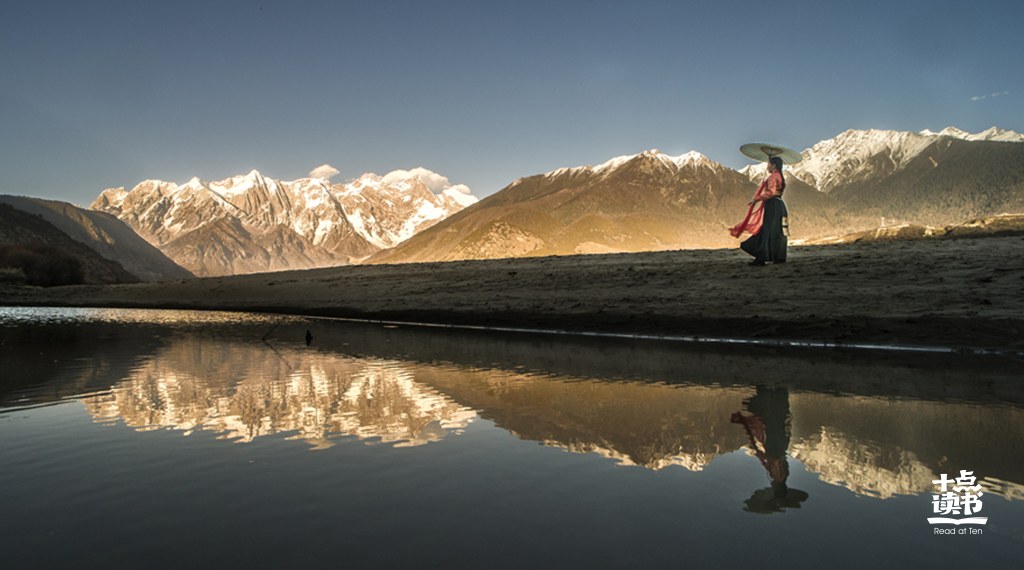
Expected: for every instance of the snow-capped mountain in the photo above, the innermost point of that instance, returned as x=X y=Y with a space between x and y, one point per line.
x=933 y=179
x=692 y=158
x=989 y=134
x=410 y=207
x=251 y=223
x=640 y=202
x=859 y=156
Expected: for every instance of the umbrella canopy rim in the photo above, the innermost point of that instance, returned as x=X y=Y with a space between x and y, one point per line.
x=762 y=152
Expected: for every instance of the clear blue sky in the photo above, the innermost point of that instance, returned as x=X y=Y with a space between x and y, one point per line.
x=103 y=94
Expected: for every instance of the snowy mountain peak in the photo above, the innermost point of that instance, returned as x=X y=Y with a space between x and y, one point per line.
x=114 y=196
x=989 y=134
x=253 y=223
x=946 y=132
x=865 y=155
x=195 y=182
x=692 y=158
x=240 y=184
x=695 y=158
x=831 y=162
x=755 y=172
x=368 y=179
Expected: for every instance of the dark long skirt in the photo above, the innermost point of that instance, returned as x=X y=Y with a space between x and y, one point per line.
x=771 y=242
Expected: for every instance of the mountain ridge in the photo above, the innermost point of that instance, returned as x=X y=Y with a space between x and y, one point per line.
x=641 y=202
x=19 y=228
x=629 y=203
x=860 y=156
x=300 y=224
x=845 y=185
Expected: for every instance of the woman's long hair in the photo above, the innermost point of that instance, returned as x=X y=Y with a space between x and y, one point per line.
x=777 y=161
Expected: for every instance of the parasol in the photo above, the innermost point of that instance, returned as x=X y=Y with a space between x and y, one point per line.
x=764 y=151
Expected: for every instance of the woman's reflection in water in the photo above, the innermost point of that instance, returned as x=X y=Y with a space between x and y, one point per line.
x=768 y=430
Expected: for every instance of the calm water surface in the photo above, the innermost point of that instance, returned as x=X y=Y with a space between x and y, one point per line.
x=162 y=439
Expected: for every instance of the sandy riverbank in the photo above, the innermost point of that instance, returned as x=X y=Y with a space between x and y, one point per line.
x=951 y=293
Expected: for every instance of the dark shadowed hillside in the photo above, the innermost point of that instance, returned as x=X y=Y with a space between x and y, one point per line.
x=105 y=234
x=18 y=227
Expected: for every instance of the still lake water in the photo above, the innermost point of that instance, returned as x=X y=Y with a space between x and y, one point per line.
x=169 y=439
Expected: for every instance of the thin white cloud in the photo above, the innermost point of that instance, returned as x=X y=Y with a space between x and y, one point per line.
x=461 y=189
x=464 y=198
x=980 y=97
x=433 y=181
x=326 y=172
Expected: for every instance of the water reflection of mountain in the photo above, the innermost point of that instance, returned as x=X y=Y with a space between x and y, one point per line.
x=247 y=390
x=879 y=426
x=244 y=391
x=649 y=424
x=894 y=446
x=873 y=446
x=878 y=423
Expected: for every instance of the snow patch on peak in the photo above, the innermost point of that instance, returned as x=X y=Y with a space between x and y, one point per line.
x=695 y=158
x=994 y=134
x=111 y=197
x=368 y=178
x=612 y=164
x=195 y=183
x=832 y=161
x=948 y=132
x=989 y=134
x=863 y=155
x=237 y=185
x=755 y=172
x=692 y=158
x=310 y=185
x=356 y=187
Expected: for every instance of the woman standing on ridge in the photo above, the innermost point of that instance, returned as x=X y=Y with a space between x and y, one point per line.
x=767 y=219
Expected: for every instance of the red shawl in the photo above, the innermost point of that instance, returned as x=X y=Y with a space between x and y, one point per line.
x=755 y=213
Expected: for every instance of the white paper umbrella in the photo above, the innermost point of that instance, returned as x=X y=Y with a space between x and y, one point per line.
x=764 y=151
